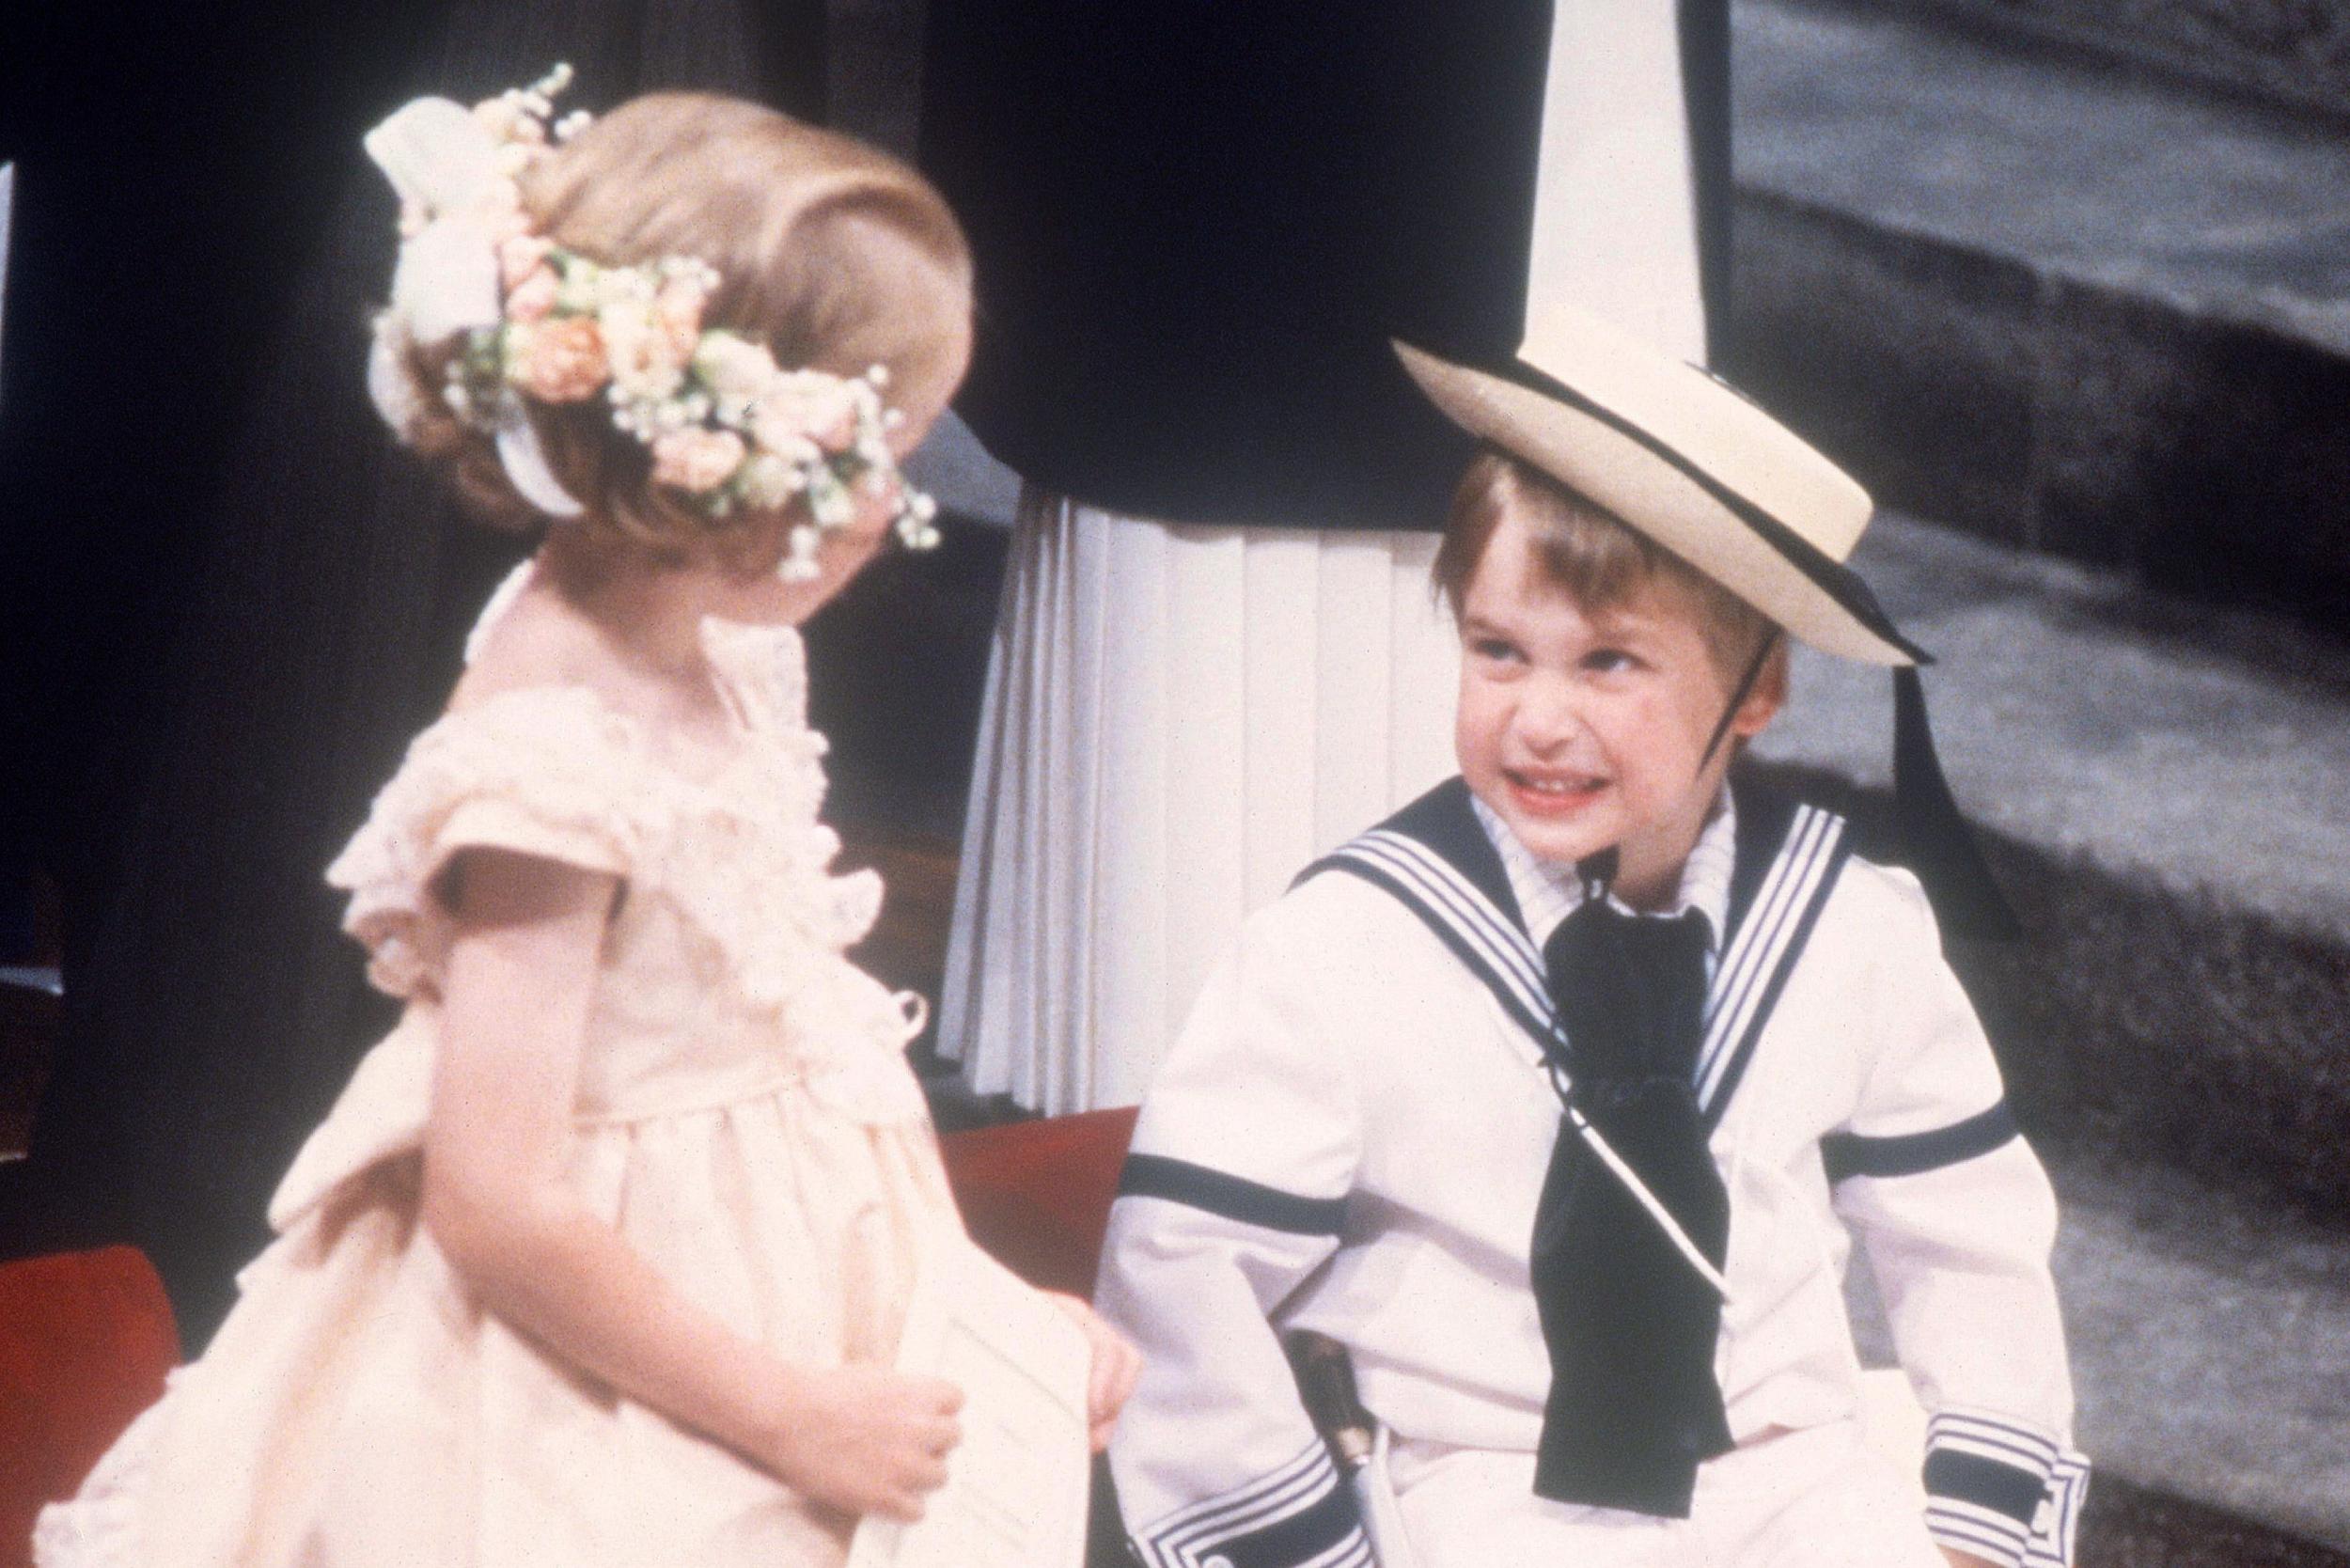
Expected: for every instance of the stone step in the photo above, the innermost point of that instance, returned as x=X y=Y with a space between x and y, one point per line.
x=2210 y=1348
x=2159 y=787
x=2065 y=307
x=2293 y=56
x=2157 y=783
x=2211 y=1362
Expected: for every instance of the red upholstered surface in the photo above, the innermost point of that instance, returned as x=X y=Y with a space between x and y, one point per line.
x=84 y=1341
x=1037 y=1194
x=85 y=1337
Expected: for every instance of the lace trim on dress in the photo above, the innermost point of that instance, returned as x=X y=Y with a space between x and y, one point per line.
x=549 y=771
x=756 y=871
x=553 y=771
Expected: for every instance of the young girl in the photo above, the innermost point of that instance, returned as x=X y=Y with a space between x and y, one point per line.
x=603 y=1256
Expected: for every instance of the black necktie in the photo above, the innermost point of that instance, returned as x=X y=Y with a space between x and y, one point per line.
x=1633 y=1407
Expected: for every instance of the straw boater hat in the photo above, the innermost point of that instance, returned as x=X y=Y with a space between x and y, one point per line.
x=1684 y=458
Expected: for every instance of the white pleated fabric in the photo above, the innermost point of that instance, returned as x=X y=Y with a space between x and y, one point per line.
x=1178 y=719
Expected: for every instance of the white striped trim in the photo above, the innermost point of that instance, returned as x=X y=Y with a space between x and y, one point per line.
x=1465 y=907
x=1515 y=967
x=1353 y=1552
x=1983 y=1531
x=1188 y=1538
x=1755 y=954
x=1310 y=1467
x=1504 y=936
x=2056 y=1529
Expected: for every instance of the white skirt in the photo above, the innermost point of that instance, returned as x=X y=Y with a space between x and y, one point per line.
x=1177 y=720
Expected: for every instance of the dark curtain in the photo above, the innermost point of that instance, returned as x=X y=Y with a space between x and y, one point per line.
x=1200 y=222
x=228 y=602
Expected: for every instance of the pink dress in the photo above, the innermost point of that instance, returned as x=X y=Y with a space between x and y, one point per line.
x=746 y=1120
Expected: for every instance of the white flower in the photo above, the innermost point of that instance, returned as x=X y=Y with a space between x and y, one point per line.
x=733 y=366
x=829 y=500
x=799 y=561
x=768 y=481
x=807 y=406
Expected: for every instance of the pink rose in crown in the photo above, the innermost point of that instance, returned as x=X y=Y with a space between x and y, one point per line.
x=695 y=461
x=521 y=255
x=532 y=297
x=558 y=361
x=806 y=407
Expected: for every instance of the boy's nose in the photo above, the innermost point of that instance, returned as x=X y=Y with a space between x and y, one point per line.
x=1549 y=717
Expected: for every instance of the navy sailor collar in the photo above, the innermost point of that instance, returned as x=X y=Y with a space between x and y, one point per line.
x=1435 y=857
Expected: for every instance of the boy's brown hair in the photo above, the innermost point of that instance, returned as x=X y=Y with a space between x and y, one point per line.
x=1592 y=558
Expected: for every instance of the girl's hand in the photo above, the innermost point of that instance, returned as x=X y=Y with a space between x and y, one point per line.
x=864 y=1439
x=1116 y=1366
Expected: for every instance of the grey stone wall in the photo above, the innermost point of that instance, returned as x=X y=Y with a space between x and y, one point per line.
x=2292 y=53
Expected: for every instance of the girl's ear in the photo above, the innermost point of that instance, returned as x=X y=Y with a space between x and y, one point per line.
x=1765 y=697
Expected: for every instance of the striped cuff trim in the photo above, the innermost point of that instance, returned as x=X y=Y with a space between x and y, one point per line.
x=1848 y=1154
x=1299 y=1517
x=2000 y=1490
x=1964 y=1527
x=2058 y=1526
x=1230 y=1197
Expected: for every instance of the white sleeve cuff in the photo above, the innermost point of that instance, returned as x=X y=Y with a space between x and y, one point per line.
x=2002 y=1491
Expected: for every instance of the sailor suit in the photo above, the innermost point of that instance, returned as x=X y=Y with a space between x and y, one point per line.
x=1352 y=1133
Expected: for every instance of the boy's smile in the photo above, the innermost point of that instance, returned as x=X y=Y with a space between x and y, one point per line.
x=1586 y=728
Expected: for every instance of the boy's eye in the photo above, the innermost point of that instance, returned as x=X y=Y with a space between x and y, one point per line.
x=1605 y=661
x=1493 y=648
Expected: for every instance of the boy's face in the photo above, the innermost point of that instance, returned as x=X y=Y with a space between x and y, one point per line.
x=1584 y=730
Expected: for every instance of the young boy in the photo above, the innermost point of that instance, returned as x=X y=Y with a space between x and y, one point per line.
x=1557 y=1099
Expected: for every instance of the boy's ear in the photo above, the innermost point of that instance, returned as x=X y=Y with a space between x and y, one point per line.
x=1765 y=697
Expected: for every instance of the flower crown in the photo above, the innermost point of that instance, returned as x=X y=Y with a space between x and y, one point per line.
x=726 y=426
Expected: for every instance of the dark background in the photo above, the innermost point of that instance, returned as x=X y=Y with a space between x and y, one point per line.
x=228 y=600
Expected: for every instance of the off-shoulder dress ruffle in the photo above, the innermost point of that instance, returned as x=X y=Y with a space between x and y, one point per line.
x=746 y=1120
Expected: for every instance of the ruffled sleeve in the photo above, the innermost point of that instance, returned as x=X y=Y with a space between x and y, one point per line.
x=544 y=771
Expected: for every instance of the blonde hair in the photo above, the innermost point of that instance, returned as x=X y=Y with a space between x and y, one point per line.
x=834 y=256
x=1587 y=553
